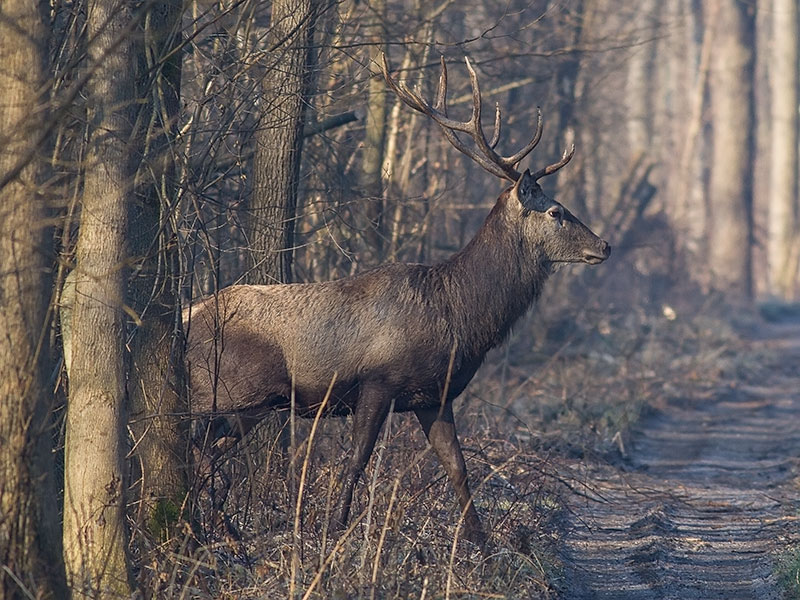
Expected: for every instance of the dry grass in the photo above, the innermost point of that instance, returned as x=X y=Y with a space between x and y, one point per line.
x=403 y=541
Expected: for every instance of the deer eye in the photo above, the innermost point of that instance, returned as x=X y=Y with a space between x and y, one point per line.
x=555 y=213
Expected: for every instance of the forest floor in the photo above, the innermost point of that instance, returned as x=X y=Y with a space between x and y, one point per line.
x=703 y=501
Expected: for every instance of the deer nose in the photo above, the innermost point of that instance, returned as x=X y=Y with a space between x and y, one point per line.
x=597 y=255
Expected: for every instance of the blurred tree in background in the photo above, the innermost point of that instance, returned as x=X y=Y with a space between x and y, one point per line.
x=30 y=545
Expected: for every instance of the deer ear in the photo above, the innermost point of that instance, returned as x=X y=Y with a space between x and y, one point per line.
x=529 y=194
x=523 y=188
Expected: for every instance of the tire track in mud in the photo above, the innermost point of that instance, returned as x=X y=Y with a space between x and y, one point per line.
x=705 y=501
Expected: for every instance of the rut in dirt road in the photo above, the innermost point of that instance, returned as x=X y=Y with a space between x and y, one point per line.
x=705 y=501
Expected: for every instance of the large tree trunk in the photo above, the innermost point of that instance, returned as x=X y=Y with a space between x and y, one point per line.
x=783 y=235
x=373 y=152
x=94 y=507
x=279 y=140
x=156 y=387
x=729 y=229
x=29 y=534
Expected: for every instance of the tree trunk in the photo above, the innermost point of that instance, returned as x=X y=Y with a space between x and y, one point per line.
x=690 y=54
x=279 y=140
x=762 y=149
x=94 y=534
x=567 y=83
x=783 y=235
x=30 y=544
x=639 y=81
x=156 y=387
x=373 y=152
x=730 y=185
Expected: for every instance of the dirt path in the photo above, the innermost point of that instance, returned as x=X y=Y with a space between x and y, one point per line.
x=704 y=501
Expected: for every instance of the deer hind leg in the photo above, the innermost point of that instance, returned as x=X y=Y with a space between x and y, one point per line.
x=439 y=427
x=368 y=417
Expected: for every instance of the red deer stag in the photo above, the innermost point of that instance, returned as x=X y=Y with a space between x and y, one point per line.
x=406 y=336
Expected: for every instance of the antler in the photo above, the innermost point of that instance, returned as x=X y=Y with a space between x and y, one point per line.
x=483 y=153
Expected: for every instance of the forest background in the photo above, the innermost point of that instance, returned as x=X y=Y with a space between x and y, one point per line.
x=160 y=151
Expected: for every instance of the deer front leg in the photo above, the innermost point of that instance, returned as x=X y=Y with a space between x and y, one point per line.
x=439 y=427
x=370 y=413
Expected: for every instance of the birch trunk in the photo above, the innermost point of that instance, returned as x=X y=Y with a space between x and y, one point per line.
x=373 y=153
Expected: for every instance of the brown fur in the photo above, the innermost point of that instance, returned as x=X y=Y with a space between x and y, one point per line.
x=388 y=334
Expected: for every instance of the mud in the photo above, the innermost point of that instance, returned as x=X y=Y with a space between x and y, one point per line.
x=706 y=498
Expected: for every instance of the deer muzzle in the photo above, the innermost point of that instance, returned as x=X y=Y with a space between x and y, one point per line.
x=594 y=256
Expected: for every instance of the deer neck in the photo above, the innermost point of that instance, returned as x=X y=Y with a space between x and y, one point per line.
x=491 y=282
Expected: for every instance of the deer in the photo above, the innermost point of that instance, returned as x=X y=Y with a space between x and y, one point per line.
x=399 y=337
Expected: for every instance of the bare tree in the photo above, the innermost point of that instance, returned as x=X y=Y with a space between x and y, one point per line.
x=30 y=562
x=279 y=140
x=784 y=240
x=373 y=154
x=156 y=386
x=687 y=48
x=729 y=228
x=640 y=77
x=285 y=95
x=94 y=508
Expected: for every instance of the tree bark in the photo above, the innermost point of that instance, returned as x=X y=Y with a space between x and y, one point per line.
x=279 y=140
x=686 y=181
x=730 y=232
x=782 y=228
x=94 y=507
x=156 y=386
x=285 y=91
x=373 y=151
x=30 y=544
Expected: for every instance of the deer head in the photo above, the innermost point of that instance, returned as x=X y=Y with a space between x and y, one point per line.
x=553 y=233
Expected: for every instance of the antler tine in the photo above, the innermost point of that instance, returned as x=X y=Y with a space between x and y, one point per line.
x=476 y=96
x=415 y=101
x=440 y=105
x=550 y=169
x=441 y=88
x=402 y=92
x=496 y=134
x=516 y=158
x=476 y=129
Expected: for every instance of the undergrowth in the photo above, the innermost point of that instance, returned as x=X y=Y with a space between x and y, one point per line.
x=403 y=541
x=787 y=571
